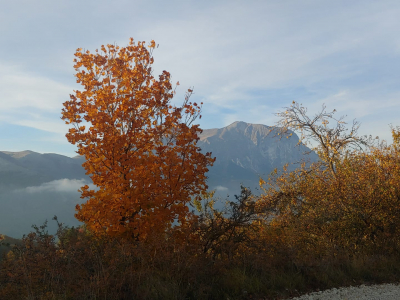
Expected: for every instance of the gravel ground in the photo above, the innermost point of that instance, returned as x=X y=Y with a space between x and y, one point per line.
x=370 y=292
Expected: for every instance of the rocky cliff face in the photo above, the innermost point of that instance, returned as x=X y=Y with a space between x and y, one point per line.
x=246 y=151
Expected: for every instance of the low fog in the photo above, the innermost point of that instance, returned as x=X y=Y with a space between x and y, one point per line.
x=21 y=208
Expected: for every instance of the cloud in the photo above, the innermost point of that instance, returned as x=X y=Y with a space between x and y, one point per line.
x=33 y=205
x=270 y=45
x=61 y=185
x=221 y=188
x=31 y=100
x=22 y=89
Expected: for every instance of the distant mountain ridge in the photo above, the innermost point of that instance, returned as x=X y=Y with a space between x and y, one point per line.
x=28 y=168
x=35 y=187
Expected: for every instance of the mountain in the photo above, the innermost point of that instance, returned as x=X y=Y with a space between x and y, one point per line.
x=28 y=168
x=35 y=187
x=245 y=152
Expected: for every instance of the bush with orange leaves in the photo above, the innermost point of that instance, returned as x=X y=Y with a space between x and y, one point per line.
x=346 y=204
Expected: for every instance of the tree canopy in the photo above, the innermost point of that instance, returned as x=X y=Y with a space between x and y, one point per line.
x=140 y=149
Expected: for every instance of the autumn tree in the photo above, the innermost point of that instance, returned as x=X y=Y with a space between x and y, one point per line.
x=140 y=149
x=350 y=204
x=330 y=142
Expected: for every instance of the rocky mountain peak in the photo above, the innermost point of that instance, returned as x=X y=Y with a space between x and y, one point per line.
x=238 y=130
x=246 y=151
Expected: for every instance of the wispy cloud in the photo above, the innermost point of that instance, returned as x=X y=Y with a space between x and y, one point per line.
x=24 y=90
x=221 y=188
x=61 y=185
x=31 y=100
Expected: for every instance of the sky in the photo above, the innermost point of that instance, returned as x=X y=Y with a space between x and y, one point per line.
x=246 y=60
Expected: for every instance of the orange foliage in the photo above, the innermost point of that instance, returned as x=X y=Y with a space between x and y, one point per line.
x=140 y=150
x=349 y=202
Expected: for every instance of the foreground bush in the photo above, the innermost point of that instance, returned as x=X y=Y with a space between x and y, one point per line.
x=236 y=256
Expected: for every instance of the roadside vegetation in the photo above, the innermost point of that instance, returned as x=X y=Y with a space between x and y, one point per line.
x=329 y=224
